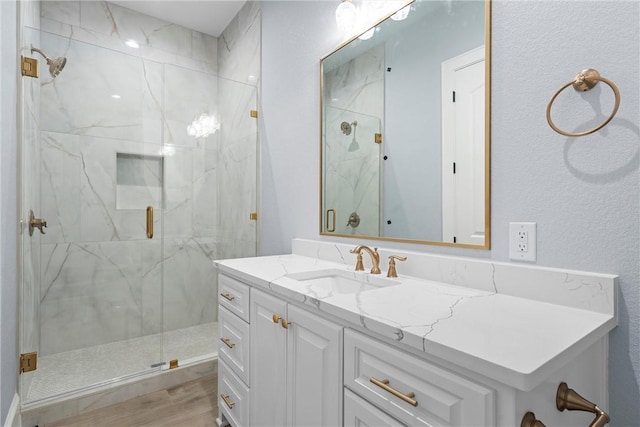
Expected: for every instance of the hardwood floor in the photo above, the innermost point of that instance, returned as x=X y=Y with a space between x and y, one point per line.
x=193 y=404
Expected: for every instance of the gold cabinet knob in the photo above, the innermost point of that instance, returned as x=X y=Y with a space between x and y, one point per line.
x=286 y=323
x=276 y=318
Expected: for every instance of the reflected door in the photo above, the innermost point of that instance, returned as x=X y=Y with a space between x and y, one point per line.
x=463 y=147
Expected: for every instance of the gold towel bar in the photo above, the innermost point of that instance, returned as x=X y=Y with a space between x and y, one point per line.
x=585 y=80
x=567 y=399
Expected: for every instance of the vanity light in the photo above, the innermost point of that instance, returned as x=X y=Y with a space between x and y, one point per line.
x=132 y=43
x=346 y=15
x=203 y=125
x=401 y=14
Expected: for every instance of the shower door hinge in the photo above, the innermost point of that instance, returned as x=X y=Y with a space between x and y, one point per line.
x=378 y=138
x=173 y=364
x=29 y=66
x=254 y=114
x=253 y=216
x=28 y=362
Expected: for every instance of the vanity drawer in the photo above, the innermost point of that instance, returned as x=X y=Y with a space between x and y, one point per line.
x=233 y=396
x=358 y=412
x=234 y=296
x=233 y=346
x=439 y=396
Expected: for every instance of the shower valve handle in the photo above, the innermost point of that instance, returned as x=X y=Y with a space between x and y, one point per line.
x=38 y=223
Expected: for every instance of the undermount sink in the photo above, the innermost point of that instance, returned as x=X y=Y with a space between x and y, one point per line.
x=338 y=281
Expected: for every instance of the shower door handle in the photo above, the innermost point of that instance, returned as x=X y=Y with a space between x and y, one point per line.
x=150 y=222
x=331 y=214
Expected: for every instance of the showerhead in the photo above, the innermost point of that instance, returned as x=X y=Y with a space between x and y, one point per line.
x=55 y=65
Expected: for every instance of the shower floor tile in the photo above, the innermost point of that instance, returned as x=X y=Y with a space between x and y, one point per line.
x=77 y=369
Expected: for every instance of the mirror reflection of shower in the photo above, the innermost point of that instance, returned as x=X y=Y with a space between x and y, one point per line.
x=346 y=129
x=55 y=65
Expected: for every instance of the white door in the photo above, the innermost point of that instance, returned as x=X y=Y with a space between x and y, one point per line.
x=314 y=380
x=463 y=148
x=268 y=361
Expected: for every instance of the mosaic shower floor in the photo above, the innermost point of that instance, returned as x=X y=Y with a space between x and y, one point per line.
x=73 y=370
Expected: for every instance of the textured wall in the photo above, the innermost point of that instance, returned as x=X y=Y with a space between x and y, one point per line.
x=583 y=193
x=8 y=192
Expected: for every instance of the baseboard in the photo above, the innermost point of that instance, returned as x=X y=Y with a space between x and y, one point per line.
x=13 y=416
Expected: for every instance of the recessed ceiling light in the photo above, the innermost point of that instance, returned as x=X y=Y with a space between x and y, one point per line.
x=132 y=43
x=115 y=96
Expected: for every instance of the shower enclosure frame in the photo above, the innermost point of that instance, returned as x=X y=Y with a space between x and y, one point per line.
x=25 y=164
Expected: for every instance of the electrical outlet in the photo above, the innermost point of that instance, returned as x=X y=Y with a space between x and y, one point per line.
x=522 y=241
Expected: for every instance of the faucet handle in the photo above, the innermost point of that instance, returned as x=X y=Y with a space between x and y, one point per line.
x=392 y=265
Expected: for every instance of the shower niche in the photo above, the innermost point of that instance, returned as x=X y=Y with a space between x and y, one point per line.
x=139 y=181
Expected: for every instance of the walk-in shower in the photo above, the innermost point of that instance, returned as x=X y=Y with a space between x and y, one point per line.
x=102 y=299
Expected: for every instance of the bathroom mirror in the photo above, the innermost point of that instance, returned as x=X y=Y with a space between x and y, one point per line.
x=405 y=128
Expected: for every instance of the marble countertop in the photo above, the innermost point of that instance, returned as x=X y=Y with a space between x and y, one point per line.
x=511 y=339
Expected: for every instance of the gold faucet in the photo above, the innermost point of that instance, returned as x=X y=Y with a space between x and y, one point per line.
x=375 y=258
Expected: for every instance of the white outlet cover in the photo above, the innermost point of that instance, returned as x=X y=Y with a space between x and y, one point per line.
x=515 y=250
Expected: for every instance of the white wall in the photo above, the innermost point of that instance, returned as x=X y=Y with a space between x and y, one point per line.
x=8 y=199
x=582 y=193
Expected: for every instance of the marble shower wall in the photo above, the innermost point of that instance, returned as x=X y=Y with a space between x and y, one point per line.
x=101 y=278
x=354 y=93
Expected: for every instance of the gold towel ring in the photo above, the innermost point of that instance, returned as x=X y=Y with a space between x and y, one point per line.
x=585 y=80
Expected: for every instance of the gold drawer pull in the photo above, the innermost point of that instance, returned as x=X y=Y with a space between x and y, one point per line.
x=228 y=401
x=276 y=318
x=285 y=323
x=227 y=296
x=384 y=384
x=228 y=342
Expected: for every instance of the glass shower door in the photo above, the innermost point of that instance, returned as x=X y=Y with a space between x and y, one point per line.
x=210 y=172
x=91 y=289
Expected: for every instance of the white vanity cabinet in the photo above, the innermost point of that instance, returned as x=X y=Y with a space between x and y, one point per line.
x=419 y=353
x=295 y=365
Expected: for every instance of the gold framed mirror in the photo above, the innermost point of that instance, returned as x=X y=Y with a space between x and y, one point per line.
x=405 y=128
